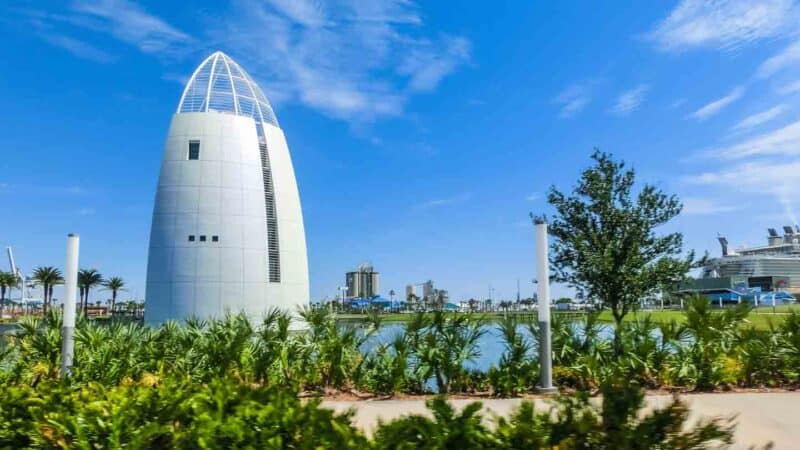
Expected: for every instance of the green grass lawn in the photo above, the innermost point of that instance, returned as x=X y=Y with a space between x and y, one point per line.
x=760 y=318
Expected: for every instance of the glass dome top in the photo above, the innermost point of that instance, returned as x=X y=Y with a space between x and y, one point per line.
x=220 y=84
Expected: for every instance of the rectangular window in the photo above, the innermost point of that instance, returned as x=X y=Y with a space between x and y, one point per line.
x=191 y=238
x=214 y=238
x=194 y=150
x=202 y=238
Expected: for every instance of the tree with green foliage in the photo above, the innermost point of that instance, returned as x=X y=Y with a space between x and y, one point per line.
x=605 y=240
x=114 y=284
x=8 y=281
x=48 y=277
x=88 y=279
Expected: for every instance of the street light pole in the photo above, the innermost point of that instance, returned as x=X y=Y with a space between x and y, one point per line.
x=70 y=291
x=543 y=277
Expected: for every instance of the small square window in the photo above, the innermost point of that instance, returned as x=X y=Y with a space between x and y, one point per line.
x=202 y=238
x=194 y=150
x=191 y=238
x=214 y=238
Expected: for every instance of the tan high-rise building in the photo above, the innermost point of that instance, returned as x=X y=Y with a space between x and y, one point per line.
x=362 y=282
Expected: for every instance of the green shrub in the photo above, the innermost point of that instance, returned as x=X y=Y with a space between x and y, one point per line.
x=170 y=413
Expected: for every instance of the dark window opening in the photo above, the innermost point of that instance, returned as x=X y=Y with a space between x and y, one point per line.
x=194 y=150
x=202 y=238
x=191 y=238
x=273 y=250
x=214 y=238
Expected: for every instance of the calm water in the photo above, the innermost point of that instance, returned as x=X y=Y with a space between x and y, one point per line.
x=491 y=343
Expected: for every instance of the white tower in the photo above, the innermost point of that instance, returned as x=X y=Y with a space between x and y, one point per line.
x=227 y=231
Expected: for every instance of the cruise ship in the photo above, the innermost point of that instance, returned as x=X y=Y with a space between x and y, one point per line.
x=772 y=267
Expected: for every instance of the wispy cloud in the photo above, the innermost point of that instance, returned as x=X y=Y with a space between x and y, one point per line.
x=723 y=24
x=346 y=58
x=787 y=57
x=445 y=201
x=532 y=197
x=179 y=78
x=696 y=206
x=86 y=211
x=123 y=20
x=426 y=66
x=782 y=141
x=718 y=105
x=765 y=165
x=757 y=119
x=74 y=190
x=678 y=103
x=776 y=178
x=77 y=47
x=790 y=88
x=630 y=100
x=573 y=99
x=130 y=23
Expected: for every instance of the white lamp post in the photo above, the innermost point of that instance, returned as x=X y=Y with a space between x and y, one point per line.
x=543 y=277
x=70 y=293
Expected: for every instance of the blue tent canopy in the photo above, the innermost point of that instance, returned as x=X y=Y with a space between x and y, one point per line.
x=376 y=301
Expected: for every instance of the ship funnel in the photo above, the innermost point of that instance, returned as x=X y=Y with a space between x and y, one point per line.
x=773 y=238
x=723 y=242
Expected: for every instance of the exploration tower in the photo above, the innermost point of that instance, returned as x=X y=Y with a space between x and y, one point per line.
x=227 y=231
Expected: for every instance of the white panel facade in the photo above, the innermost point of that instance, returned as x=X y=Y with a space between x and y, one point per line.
x=218 y=220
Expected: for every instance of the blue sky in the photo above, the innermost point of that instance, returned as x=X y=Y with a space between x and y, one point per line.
x=422 y=135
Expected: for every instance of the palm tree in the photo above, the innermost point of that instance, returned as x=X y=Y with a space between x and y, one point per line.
x=114 y=284
x=8 y=280
x=87 y=279
x=47 y=276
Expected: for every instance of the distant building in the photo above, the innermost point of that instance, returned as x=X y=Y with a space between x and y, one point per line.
x=772 y=267
x=432 y=295
x=362 y=282
x=411 y=290
x=427 y=289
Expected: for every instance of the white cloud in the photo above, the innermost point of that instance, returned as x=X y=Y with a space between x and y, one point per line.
x=74 y=190
x=427 y=65
x=444 y=201
x=572 y=100
x=723 y=24
x=757 y=119
x=121 y=19
x=767 y=165
x=790 y=88
x=349 y=59
x=787 y=57
x=678 y=103
x=778 y=178
x=630 y=100
x=77 y=47
x=783 y=141
x=308 y=13
x=532 y=197
x=130 y=23
x=697 y=206
x=718 y=105
x=86 y=211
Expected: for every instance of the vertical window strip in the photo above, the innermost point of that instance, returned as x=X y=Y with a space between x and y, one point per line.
x=273 y=249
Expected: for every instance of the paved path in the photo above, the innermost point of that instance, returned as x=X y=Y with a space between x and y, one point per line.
x=761 y=417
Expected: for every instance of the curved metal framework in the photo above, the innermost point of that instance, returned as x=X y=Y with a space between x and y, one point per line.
x=220 y=84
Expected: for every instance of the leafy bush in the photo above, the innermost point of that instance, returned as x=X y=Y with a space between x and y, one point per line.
x=517 y=367
x=170 y=413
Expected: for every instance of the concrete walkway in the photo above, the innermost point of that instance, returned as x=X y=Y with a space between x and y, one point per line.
x=760 y=417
